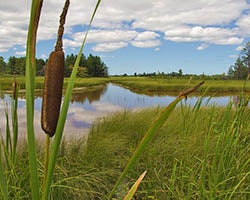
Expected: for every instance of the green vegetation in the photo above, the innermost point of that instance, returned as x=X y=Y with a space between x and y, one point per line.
x=6 y=82
x=147 y=85
x=162 y=85
x=200 y=154
x=203 y=156
x=92 y=66
x=241 y=67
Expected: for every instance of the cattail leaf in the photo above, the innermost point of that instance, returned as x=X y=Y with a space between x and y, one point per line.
x=36 y=7
x=14 y=118
x=3 y=183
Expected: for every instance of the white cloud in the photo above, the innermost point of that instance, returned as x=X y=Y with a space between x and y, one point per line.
x=239 y=48
x=146 y=35
x=97 y=36
x=212 y=35
x=146 y=44
x=146 y=39
x=202 y=47
x=44 y=56
x=21 y=53
x=243 y=24
x=107 y=47
x=110 y=40
x=172 y=13
x=119 y=21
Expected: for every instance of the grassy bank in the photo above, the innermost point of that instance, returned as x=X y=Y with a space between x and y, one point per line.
x=6 y=82
x=200 y=153
x=144 y=84
x=153 y=85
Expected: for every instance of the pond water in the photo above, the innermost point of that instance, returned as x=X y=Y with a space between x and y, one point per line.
x=87 y=106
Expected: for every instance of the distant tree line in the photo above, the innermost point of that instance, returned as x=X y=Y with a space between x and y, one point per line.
x=92 y=66
x=241 y=68
x=179 y=74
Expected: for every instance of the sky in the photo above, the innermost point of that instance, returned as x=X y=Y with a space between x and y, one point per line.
x=197 y=36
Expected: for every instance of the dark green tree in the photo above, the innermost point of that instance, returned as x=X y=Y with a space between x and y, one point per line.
x=230 y=72
x=11 y=65
x=40 y=66
x=19 y=67
x=69 y=63
x=180 y=72
x=2 y=65
x=239 y=70
x=96 y=68
x=16 y=65
x=245 y=56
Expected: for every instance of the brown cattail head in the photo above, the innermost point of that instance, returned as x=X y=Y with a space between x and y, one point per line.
x=53 y=81
x=14 y=85
x=52 y=94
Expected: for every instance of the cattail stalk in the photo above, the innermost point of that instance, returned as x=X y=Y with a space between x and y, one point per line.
x=53 y=81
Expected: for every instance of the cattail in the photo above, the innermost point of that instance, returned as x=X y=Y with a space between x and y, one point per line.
x=53 y=82
x=14 y=85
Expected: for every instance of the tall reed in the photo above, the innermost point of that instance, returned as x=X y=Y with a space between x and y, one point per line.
x=30 y=86
x=63 y=114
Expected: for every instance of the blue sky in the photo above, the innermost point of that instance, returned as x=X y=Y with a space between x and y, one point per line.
x=197 y=36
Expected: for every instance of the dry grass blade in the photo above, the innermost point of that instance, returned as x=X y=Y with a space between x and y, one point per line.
x=133 y=189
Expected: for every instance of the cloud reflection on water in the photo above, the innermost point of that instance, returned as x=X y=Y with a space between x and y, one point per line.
x=87 y=106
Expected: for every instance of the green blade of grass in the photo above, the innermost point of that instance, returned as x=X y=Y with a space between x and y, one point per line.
x=3 y=183
x=7 y=132
x=153 y=129
x=14 y=120
x=63 y=113
x=30 y=82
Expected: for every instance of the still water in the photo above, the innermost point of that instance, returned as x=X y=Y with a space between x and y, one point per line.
x=87 y=106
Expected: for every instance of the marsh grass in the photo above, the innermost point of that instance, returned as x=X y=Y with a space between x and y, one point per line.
x=197 y=164
x=6 y=82
x=210 y=161
x=144 y=85
x=153 y=85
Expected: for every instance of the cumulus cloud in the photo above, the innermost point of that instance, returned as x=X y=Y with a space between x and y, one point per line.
x=146 y=39
x=243 y=24
x=140 y=23
x=212 y=35
x=107 y=47
x=20 y=53
x=146 y=44
x=146 y=35
x=202 y=47
x=97 y=36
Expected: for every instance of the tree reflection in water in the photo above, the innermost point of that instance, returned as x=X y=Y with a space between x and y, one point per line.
x=91 y=94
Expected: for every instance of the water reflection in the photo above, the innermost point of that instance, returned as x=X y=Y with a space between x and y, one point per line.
x=90 y=94
x=88 y=105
